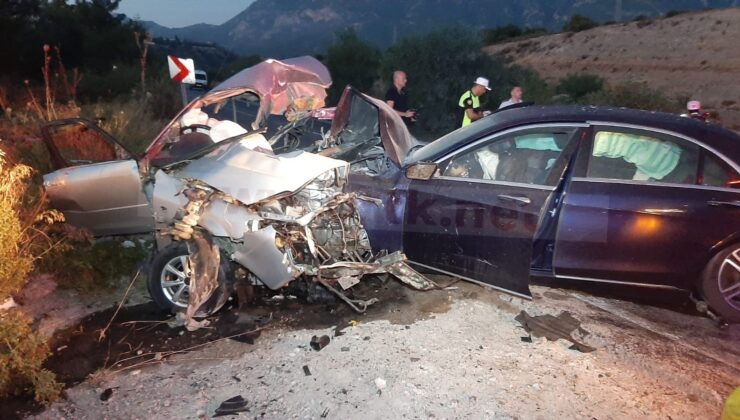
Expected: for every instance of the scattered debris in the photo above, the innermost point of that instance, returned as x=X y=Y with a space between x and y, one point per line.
x=318 y=343
x=105 y=395
x=338 y=330
x=553 y=328
x=325 y=413
x=527 y=339
x=231 y=406
x=306 y=370
x=236 y=378
x=380 y=383
x=345 y=348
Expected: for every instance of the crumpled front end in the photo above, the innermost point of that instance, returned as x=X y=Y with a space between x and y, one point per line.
x=313 y=233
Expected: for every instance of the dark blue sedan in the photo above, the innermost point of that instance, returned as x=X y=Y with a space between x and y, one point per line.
x=573 y=192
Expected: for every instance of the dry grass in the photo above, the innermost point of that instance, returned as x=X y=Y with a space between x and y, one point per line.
x=23 y=239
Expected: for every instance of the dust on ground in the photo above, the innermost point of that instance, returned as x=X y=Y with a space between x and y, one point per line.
x=443 y=353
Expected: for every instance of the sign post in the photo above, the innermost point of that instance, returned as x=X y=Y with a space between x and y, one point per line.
x=182 y=71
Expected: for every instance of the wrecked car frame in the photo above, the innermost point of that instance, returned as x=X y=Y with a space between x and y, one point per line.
x=248 y=217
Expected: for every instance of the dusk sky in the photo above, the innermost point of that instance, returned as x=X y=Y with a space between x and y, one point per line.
x=178 y=13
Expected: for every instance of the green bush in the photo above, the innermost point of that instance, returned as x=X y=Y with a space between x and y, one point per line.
x=579 y=23
x=576 y=86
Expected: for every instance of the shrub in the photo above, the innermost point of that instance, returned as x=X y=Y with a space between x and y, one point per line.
x=577 y=86
x=579 y=23
x=634 y=95
x=79 y=267
x=15 y=264
x=22 y=240
x=130 y=121
x=510 y=32
x=22 y=353
x=672 y=13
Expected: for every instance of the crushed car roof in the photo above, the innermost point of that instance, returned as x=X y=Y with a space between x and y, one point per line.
x=280 y=81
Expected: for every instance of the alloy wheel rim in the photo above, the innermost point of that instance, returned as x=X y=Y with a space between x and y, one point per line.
x=729 y=279
x=175 y=280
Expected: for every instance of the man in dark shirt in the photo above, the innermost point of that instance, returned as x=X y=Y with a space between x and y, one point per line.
x=398 y=100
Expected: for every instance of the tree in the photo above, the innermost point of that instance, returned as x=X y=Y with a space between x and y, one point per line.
x=579 y=23
x=351 y=61
x=90 y=37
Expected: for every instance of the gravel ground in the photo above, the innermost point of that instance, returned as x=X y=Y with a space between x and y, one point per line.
x=443 y=354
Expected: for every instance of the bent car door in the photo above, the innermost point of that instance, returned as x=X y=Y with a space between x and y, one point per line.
x=97 y=183
x=477 y=217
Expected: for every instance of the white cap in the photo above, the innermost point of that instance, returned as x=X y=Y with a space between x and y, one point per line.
x=694 y=106
x=483 y=82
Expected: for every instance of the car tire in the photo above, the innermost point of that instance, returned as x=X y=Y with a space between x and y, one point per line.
x=169 y=280
x=720 y=283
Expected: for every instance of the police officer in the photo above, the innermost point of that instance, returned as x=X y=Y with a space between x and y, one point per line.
x=470 y=101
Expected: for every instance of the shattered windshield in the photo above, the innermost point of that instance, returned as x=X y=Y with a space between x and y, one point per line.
x=199 y=128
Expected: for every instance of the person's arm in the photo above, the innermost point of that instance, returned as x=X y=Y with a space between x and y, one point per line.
x=473 y=114
x=407 y=114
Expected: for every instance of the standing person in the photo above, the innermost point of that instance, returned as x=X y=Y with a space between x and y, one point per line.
x=516 y=97
x=470 y=101
x=397 y=99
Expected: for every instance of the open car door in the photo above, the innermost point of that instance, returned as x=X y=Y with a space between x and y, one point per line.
x=96 y=184
x=478 y=217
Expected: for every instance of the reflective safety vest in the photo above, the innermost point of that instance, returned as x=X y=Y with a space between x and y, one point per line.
x=732 y=406
x=468 y=100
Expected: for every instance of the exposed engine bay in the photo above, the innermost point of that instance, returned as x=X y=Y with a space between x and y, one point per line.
x=275 y=227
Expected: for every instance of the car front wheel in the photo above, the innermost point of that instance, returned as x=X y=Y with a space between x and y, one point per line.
x=169 y=281
x=721 y=283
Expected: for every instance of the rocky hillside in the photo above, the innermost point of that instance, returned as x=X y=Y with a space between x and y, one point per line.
x=290 y=27
x=694 y=55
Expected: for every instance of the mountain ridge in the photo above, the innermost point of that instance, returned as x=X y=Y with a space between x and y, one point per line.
x=280 y=28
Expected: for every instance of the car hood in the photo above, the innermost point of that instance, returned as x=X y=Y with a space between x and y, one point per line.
x=251 y=176
x=359 y=117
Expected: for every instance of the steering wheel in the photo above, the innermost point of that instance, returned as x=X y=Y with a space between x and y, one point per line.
x=193 y=128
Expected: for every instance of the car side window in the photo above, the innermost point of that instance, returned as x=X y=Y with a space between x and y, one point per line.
x=641 y=156
x=79 y=144
x=526 y=156
x=717 y=173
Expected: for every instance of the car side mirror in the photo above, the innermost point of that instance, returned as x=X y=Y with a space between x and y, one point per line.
x=421 y=171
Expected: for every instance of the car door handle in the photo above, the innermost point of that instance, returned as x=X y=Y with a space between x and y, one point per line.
x=520 y=200
x=715 y=203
